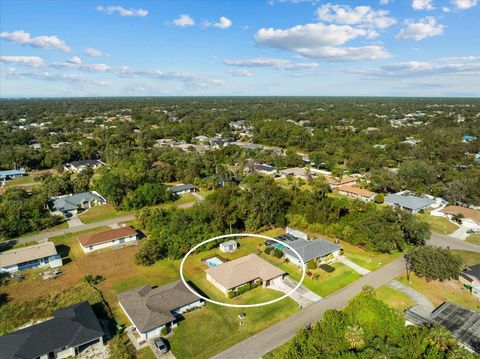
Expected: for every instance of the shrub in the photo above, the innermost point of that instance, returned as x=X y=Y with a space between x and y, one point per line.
x=164 y=331
x=311 y=265
x=277 y=253
x=93 y=279
x=268 y=250
x=231 y=294
x=379 y=198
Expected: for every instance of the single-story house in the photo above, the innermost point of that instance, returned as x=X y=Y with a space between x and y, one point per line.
x=228 y=246
x=182 y=189
x=106 y=239
x=152 y=309
x=470 y=277
x=11 y=174
x=71 y=203
x=82 y=165
x=463 y=323
x=264 y=169
x=356 y=192
x=409 y=202
x=316 y=250
x=69 y=333
x=298 y=172
x=247 y=269
x=35 y=256
x=471 y=217
x=343 y=181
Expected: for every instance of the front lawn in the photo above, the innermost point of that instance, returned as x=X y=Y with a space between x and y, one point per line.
x=438 y=224
x=394 y=298
x=473 y=238
x=101 y=213
x=369 y=260
x=214 y=328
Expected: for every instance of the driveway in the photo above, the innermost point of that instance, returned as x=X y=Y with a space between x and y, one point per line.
x=156 y=352
x=74 y=221
x=421 y=301
x=303 y=296
x=460 y=233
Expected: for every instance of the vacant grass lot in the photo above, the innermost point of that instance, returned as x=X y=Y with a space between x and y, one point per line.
x=394 y=298
x=101 y=213
x=438 y=224
x=473 y=238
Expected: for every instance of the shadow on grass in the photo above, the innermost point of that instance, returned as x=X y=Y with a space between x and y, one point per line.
x=327 y=268
x=64 y=251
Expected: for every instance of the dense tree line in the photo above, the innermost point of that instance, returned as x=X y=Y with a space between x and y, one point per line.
x=368 y=328
x=434 y=263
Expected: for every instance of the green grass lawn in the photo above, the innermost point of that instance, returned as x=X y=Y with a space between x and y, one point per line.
x=370 y=260
x=101 y=213
x=469 y=258
x=473 y=238
x=394 y=298
x=438 y=224
x=145 y=353
x=25 y=180
x=214 y=328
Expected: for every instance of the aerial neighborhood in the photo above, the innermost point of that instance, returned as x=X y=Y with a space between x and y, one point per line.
x=94 y=231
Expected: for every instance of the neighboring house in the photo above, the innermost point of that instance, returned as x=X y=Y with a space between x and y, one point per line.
x=106 y=239
x=314 y=250
x=343 y=181
x=470 y=277
x=70 y=332
x=463 y=323
x=35 y=256
x=471 y=217
x=356 y=192
x=228 y=246
x=409 y=202
x=298 y=172
x=477 y=157
x=248 y=269
x=264 y=169
x=70 y=204
x=80 y=166
x=182 y=189
x=152 y=309
x=468 y=138
x=12 y=174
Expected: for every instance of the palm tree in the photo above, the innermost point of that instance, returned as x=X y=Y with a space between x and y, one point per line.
x=440 y=338
x=355 y=336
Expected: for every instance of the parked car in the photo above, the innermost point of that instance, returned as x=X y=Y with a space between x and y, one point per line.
x=161 y=345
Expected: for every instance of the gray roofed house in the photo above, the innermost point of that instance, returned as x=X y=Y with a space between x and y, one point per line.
x=37 y=255
x=81 y=165
x=151 y=309
x=311 y=250
x=68 y=333
x=264 y=168
x=409 y=202
x=71 y=203
x=11 y=174
x=182 y=189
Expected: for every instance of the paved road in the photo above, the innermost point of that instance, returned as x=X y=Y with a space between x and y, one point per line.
x=45 y=235
x=267 y=340
x=274 y=336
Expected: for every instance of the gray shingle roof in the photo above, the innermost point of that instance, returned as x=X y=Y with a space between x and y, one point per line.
x=409 y=201
x=74 y=201
x=70 y=327
x=309 y=250
x=181 y=188
x=150 y=308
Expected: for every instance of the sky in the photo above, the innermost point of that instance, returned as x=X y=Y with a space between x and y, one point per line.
x=239 y=48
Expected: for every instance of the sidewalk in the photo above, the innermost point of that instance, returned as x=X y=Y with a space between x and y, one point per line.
x=360 y=270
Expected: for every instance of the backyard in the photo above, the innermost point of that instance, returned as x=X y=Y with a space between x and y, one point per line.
x=394 y=298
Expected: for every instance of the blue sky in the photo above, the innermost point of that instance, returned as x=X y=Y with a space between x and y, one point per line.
x=262 y=47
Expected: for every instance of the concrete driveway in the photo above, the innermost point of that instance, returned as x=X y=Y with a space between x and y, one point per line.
x=303 y=296
x=421 y=301
x=156 y=352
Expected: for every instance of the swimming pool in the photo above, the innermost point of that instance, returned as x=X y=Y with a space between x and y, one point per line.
x=213 y=262
x=279 y=246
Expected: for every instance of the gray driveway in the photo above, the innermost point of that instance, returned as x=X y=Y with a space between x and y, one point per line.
x=420 y=300
x=303 y=296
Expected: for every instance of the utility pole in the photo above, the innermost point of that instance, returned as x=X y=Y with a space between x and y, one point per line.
x=407 y=265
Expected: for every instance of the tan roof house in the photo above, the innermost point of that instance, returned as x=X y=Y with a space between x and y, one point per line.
x=471 y=217
x=231 y=275
x=356 y=192
x=344 y=180
x=36 y=256
x=298 y=172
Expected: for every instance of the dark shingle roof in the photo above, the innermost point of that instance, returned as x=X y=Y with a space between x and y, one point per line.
x=70 y=327
x=473 y=271
x=309 y=250
x=150 y=308
x=181 y=188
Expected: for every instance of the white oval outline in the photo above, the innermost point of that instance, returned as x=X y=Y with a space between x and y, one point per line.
x=242 y=305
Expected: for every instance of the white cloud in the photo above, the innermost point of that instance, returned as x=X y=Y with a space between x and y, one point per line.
x=90 y=51
x=122 y=11
x=422 y=5
x=464 y=4
x=32 y=61
x=240 y=73
x=321 y=41
x=222 y=23
x=385 y=2
x=420 y=69
x=76 y=63
x=46 y=75
x=363 y=16
x=446 y=9
x=420 y=30
x=75 y=60
x=279 y=64
x=183 y=21
x=43 y=42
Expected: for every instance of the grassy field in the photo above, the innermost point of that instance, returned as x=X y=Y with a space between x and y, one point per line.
x=21 y=181
x=394 y=298
x=145 y=353
x=370 y=260
x=473 y=238
x=101 y=213
x=438 y=224
x=469 y=258
x=220 y=325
